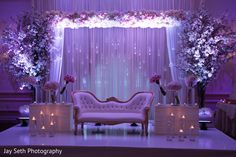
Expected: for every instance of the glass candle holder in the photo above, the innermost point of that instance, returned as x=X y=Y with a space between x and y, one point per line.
x=182 y=124
x=169 y=126
x=172 y=129
x=192 y=136
x=52 y=129
x=43 y=131
x=33 y=127
x=181 y=133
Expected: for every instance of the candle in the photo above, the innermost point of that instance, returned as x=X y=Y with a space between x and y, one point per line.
x=51 y=123
x=43 y=127
x=183 y=117
x=41 y=112
x=52 y=114
x=171 y=114
x=181 y=130
x=191 y=127
x=33 y=119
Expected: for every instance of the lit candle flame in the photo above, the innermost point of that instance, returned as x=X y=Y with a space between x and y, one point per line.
x=172 y=114
x=41 y=112
x=52 y=114
x=183 y=116
x=191 y=127
x=43 y=128
x=181 y=130
x=33 y=118
x=51 y=123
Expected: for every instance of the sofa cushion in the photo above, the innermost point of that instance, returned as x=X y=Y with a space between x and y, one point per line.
x=111 y=117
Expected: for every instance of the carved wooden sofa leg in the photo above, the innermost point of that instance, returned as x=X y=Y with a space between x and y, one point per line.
x=75 y=117
x=142 y=133
x=76 y=129
x=82 y=128
x=146 y=129
x=146 y=122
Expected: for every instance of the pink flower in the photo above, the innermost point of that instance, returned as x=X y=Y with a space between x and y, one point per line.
x=69 y=78
x=51 y=86
x=174 y=86
x=190 y=81
x=155 y=78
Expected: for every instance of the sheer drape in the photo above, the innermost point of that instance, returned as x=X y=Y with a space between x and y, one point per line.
x=173 y=40
x=115 y=61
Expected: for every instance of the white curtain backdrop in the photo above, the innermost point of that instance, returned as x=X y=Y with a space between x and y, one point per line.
x=115 y=61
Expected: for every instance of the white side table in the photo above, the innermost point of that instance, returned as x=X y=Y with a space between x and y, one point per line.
x=61 y=114
x=171 y=119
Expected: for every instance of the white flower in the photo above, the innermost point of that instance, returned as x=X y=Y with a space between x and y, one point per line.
x=209 y=74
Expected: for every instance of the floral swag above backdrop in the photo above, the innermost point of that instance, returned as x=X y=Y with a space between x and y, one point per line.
x=31 y=38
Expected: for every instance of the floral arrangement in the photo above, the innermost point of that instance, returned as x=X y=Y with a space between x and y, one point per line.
x=156 y=79
x=28 y=41
x=141 y=19
x=174 y=86
x=206 y=44
x=51 y=86
x=68 y=79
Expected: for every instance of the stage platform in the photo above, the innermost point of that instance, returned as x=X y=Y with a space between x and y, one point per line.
x=113 y=141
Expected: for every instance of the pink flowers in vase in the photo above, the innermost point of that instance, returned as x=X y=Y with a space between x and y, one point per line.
x=156 y=79
x=51 y=86
x=68 y=79
x=174 y=86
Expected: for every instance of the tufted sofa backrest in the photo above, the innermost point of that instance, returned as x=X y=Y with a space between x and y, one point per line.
x=87 y=102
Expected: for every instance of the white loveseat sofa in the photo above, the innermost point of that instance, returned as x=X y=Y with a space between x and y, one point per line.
x=87 y=108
